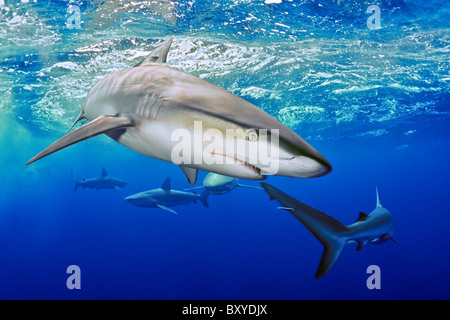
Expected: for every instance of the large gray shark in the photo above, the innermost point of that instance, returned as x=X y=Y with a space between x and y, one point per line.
x=376 y=227
x=143 y=106
x=165 y=197
x=102 y=182
x=220 y=184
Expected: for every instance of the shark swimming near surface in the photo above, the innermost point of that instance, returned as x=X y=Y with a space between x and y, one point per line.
x=220 y=184
x=166 y=197
x=102 y=182
x=144 y=106
x=376 y=227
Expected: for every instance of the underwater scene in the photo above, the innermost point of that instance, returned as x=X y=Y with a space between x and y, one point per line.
x=225 y=150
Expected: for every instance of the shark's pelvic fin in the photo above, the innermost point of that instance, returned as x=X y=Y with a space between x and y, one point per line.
x=159 y=55
x=100 y=125
x=166 y=208
x=190 y=173
x=166 y=185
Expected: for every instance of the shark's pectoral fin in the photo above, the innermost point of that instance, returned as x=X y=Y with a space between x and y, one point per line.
x=286 y=208
x=100 y=125
x=247 y=186
x=190 y=173
x=194 y=188
x=401 y=245
x=118 y=189
x=166 y=208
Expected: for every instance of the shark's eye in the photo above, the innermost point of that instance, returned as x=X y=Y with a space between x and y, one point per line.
x=251 y=135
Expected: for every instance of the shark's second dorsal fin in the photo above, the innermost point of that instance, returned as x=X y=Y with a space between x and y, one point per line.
x=159 y=55
x=104 y=173
x=166 y=185
x=378 y=198
x=362 y=216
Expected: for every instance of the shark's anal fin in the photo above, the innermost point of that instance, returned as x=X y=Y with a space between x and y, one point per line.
x=190 y=173
x=166 y=208
x=100 y=125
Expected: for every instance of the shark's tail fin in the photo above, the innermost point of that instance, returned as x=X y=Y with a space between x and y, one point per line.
x=332 y=251
x=329 y=231
x=75 y=182
x=203 y=198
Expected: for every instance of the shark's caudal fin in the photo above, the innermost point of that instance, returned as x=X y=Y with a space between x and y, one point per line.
x=159 y=55
x=75 y=182
x=203 y=198
x=329 y=231
x=100 y=125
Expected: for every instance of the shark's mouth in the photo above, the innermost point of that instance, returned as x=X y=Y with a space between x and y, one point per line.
x=237 y=161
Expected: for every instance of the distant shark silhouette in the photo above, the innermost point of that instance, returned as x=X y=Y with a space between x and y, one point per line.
x=103 y=182
x=220 y=184
x=376 y=227
x=165 y=197
x=141 y=107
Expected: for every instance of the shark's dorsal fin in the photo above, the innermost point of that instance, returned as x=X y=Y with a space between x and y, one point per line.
x=362 y=216
x=190 y=173
x=104 y=173
x=166 y=185
x=378 y=198
x=159 y=55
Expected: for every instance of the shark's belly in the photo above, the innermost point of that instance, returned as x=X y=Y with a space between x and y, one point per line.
x=178 y=141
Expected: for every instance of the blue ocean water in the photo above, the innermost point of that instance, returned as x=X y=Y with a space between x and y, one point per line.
x=374 y=102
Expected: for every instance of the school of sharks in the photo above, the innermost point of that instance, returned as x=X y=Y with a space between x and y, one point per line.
x=141 y=108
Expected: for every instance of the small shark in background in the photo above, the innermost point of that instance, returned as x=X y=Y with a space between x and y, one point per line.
x=376 y=227
x=220 y=184
x=103 y=182
x=141 y=107
x=165 y=197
